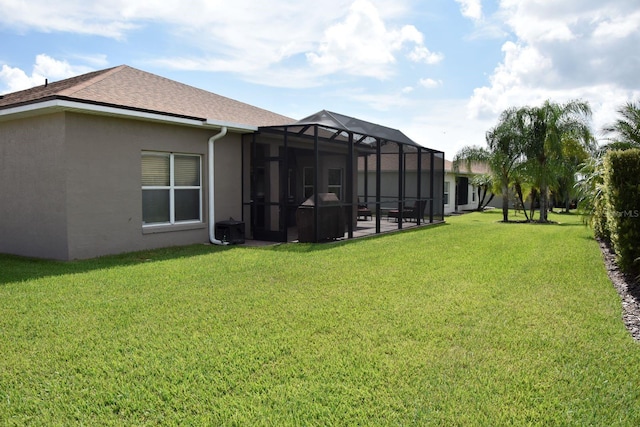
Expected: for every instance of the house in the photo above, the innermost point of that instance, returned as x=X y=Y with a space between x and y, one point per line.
x=459 y=192
x=121 y=160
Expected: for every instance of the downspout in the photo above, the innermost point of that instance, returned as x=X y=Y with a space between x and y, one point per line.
x=212 y=215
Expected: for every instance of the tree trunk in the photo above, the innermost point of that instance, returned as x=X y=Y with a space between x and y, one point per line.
x=532 y=209
x=481 y=203
x=544 y=203
x=518 y=188
x=489 y=201
x=505 y=203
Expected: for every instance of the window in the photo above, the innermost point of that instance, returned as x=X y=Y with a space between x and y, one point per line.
x=462 y=190
x=446 y=192
x=335 y=182
x=171 y=188
x=308 y=179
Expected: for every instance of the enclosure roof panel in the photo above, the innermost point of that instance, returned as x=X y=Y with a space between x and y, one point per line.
x=356 y=126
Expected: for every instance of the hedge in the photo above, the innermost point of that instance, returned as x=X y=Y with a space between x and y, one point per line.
x=622 y=205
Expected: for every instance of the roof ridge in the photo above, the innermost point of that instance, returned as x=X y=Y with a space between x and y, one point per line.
x=93 y=80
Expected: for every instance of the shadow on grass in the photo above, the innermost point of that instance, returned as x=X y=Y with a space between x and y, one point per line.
x=14 y=268
x=520 y=219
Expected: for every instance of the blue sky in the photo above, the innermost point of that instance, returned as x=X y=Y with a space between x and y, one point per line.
x=441 y=71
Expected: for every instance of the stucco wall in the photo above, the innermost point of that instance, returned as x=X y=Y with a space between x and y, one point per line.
x=33 y=187
x=78 y=177
x=105 y=197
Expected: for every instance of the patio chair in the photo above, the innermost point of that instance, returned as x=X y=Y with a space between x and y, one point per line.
x=409 y=212
x=363 y=211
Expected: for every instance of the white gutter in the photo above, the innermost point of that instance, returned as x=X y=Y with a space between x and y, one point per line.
x=212 y=215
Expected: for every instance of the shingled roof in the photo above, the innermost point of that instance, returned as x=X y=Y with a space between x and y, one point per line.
x=133 y=89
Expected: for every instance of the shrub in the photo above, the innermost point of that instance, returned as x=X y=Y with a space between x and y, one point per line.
x=599 y=220
x=622 y=204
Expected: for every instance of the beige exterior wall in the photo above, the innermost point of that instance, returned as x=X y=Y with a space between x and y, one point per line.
x=74 y=184
x=33 y=187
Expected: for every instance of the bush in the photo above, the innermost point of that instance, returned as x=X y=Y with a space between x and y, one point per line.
x=599 y=220
x=622 y=205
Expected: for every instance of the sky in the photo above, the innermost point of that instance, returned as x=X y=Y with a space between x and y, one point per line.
x=441 y=71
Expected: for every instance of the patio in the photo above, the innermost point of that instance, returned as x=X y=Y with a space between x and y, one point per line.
x=291 y=168
x=364 y=228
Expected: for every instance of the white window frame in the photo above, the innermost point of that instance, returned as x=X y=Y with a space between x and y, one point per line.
x=172 y=188
x=447 y=185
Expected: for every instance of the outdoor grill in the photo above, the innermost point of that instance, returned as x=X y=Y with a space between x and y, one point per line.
x=331 y=219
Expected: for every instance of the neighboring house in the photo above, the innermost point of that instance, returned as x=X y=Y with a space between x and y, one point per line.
x=459 y=194
x=393 y=183
x=122 y=160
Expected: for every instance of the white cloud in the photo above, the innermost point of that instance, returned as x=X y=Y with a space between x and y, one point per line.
x=75 y=16
x=559 y=50
x=617 y=27
x=438 y=126
x=523 y=67
x=430 y=83
x=258 y=40
x=422 y=54
x=362 y=45
x=277 y=43
x=45 y=67
x=15 y=79
x=576 y=49
x=471 y=9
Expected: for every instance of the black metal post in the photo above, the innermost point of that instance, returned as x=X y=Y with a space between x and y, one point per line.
x=378 y=183
x=419 y=190
x=400 y=186
x=350 y=187
x=431 y=189
x=284 y=185
x=366 y=178
x=316 y=176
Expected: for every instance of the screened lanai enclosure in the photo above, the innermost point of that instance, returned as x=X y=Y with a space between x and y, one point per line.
x=331 y=176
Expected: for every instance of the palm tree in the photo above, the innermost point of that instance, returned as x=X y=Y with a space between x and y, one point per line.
x=590 y=188
x=522 y=187
x=467 y=156
x=549 y=127
x=574 y=154
x=624 y=133
x=484 y=183
x=504 y=150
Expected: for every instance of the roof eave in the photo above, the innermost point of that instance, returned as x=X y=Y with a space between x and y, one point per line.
x=59 y=104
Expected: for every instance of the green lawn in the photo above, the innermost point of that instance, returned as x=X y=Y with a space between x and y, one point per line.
x=470 y=323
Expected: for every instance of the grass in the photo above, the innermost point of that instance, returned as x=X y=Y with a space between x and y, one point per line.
x=470 y=323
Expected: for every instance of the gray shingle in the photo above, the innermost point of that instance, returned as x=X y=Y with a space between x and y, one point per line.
x=127 y=87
